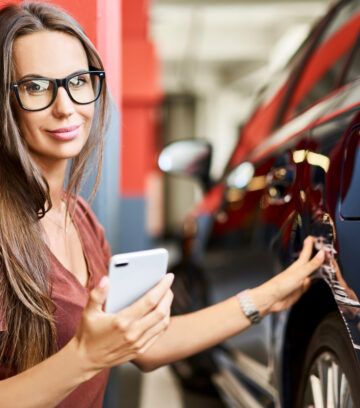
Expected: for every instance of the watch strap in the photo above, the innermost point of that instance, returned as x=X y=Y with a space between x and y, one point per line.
x=248 y=307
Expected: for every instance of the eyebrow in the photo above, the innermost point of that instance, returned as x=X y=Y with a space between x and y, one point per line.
x=42 y=76
x=31 y=76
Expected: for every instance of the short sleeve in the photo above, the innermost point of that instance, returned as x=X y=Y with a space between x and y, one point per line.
x=3 y=326
x=104 y=245
x=97 y=229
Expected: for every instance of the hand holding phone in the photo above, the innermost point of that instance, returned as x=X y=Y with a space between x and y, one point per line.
x=132 y=275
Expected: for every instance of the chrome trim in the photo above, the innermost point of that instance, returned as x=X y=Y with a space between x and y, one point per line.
x=227 y=382
x=257 y=372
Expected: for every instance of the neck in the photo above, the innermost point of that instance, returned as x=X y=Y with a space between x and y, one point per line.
x=54 y=174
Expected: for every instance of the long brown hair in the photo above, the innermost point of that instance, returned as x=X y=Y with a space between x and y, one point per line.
x=25 y=287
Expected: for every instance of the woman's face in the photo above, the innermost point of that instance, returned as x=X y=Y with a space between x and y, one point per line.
x=60 y=131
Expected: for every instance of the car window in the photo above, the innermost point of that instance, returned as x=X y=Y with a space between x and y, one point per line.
x=321 y=88
x=350 y=191
x=268 y=103
x=353 y=71
x=325 y=66
x=350 y=8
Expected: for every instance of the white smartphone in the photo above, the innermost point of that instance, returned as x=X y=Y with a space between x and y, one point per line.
x=132 y=275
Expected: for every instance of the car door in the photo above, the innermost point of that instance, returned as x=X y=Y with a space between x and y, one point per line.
x=330 y=164
x=318 y=112
x=332 y=138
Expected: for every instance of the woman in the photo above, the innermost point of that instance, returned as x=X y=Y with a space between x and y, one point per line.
x=56 y=343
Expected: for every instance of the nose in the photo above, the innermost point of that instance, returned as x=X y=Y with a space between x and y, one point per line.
x=63 y=106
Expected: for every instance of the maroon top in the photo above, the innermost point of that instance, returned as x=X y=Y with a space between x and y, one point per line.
x=71 y=297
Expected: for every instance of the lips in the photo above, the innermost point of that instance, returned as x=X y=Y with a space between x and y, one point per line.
x=65 y=133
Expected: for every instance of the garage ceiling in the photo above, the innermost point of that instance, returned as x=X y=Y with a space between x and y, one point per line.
x=204 y=44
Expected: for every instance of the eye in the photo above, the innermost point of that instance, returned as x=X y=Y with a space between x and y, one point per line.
x=78 y=81
x=35 y=86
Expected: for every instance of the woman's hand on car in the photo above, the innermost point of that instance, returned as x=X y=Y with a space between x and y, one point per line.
x=105 y=340
x=285 y=289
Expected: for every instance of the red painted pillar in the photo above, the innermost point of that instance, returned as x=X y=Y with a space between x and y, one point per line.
x=140 y=184
x=101 y=21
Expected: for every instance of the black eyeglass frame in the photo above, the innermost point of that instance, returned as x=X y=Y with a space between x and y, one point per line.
x=14 y=86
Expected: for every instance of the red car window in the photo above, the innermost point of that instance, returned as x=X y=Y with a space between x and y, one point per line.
x=274 y=97
x=350 y=192
x=324 y=67
x=353 y=70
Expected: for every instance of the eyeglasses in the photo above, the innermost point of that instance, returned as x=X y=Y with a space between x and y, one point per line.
x=35 y=94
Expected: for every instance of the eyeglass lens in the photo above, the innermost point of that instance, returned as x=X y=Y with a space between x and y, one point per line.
x=38 y=93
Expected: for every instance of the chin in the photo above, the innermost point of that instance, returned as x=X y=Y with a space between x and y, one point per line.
x=66 y=154
x=60 y=153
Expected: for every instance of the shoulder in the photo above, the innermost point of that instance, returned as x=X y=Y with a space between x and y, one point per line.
x=83 y=210
x=85 y=217
x=89 y=227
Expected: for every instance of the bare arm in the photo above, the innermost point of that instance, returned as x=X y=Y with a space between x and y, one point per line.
x=191 y=333
x=47 y=383
x=102 y=340
x=194 y=332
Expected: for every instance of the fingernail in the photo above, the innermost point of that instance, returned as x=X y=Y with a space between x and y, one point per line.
x=169 y=277
x=309 y=238
x=320 y=254
x=103 y=282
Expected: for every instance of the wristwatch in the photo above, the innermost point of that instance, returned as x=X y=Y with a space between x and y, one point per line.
x=248 y=307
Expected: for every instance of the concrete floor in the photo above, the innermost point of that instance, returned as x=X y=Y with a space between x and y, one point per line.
x=159 y=389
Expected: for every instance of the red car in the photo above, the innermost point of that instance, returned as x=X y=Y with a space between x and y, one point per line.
x=294 y=172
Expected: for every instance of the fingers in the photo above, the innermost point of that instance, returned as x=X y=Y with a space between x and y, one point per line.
x=161 y=313
x=137 y=350
x=152 y=333
x=306 y=251
x=143 y=334
x=150 y=300
x=306 y=285
x=137 y=324
x=306 y=265
x=313 y=264
x=142 y=330
x=289 y=285
x=98 y=295
x=149 y=344
x=111 y=338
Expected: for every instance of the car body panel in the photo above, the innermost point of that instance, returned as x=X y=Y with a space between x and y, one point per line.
x=305 y=182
